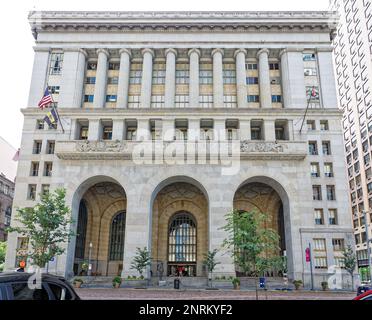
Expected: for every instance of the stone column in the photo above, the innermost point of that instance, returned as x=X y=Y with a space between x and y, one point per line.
x=217 y=55
x=269 y=130
x=146 y=87
x=170 y=78
x=245 y=130
x=168 y=130
x=101 y=79
x=220 y=129
x=194 y=130
x=264 y=78
x=73 y=75
x=94 y=131
x=143 y=130
x=118 y=129
x=123 y=84
x=241 y=78
x=293 y=78
x=327 y=80
x=194 y=55
x=39 y=76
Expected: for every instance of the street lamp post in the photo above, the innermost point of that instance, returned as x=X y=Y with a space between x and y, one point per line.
x=364 y=213
x=89 y=260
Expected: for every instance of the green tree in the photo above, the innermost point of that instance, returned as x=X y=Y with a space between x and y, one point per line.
x=2 y=255
x=211 y=263
x=46 y=225
x=141 y=260
x=253 y=247
x=350 y=262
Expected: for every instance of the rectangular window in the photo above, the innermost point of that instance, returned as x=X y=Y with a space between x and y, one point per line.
x=92 y=66
x=230 y=101
x=256 y=130
x=320 y=254
x=206 y=129
x=315 y=170
x=324 y=125
x=309 y=57
x=90 y=80
x=326 y=146
x=107 y=133
x=131 y=133
x=251 y=66
x=31 y=193
x=56 y=61
x=338 y=244
x=135 y=74
x=114 y=66
x=206 y=101
x=229 y=74
x=133 y=101
x=54 y=89
x=328 y=170
x=274 y=66
x=182 y=101
x=331 y=193
x=311 y=125
x=312 y=93
x=181 y=127
x=276 y=99
x=319 y=217
x=313 y=149
x=317 y=193
x=113 y=80
x=37 y=147
x=45 y=189
x=83 y=135
x=253 y=99
x=311 y=72
x=34 y=169
x=182 y=73
x=158 y=74
x=89 y=98
x=40 y=124
x=48 y=167
x=50 y=147
x=206 y=76
x=111 y=98
x=252 y=80
x=158 y=101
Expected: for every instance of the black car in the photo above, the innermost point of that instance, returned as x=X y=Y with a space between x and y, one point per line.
x=15 y=286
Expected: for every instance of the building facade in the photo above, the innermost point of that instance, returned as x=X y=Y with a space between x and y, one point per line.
x=6 y=201
x=353 y=53
x=173 y=119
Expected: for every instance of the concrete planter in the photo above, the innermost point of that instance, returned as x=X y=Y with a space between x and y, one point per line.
x=135 y=283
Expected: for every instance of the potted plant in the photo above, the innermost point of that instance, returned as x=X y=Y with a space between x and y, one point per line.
x=236 y=283
x=324 y=285
x=297 y=284
x=116 y=282
x=78 y=282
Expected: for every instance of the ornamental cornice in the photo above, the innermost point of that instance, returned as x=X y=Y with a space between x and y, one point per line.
x=44 y=21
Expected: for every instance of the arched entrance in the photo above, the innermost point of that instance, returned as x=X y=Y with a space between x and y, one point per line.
x=100 y=231
x=179 y=230
x=262 y=197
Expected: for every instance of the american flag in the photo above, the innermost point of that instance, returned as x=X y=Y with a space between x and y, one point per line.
x=46 y=99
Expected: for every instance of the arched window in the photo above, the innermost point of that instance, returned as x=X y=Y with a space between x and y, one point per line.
x=117 y=234
x=182 y=239
x=81 y=231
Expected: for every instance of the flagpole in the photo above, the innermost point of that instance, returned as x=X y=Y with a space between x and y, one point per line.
x=56 y=110
x=307 y=108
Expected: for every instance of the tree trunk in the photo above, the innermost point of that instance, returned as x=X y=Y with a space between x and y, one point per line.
x=352 y=282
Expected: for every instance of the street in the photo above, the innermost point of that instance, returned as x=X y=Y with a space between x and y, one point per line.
x=170 y=294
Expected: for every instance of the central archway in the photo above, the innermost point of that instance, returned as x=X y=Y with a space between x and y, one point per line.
x=179 y=237
x=264 y=195
x=99 y=209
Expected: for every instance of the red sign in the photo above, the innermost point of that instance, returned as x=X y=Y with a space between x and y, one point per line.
x=307 y=254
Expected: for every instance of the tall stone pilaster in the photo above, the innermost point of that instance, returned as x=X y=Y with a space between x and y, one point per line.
x=264 y=78
x=170 y=78
x=101 y=79
x=241 y=76
x=146 y=87
x=123 y=84
x=194 y=55
x=217 y=55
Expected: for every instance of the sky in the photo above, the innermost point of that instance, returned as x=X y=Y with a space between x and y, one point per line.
x=16 y=55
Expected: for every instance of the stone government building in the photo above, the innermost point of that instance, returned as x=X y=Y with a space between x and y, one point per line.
x=120 y=78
